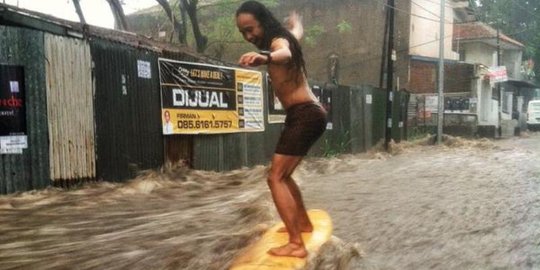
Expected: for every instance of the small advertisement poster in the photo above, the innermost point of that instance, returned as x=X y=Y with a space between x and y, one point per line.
x=144 y=69
x=207 y=99
x=13 y=136
x=432 y=103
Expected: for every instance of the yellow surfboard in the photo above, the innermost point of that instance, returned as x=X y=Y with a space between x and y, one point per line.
x=256 y=256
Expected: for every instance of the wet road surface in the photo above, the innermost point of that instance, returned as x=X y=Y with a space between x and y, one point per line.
x=469 y=204
x=465 y=205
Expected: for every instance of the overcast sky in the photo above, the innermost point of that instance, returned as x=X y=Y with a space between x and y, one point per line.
x=96 y=12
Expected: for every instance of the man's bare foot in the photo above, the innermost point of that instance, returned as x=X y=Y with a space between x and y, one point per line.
x=304 y=229
x=289 y=250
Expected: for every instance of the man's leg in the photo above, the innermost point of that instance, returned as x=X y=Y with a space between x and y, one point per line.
x=304 y=224
x=282 y=168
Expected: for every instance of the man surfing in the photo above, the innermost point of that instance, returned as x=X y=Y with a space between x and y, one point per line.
x=306 y=119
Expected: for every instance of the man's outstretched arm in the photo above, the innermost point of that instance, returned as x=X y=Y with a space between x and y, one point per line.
x=279 y=54
x=294 y=24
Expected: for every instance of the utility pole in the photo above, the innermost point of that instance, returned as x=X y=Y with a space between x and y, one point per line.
x=389 y=74
x=498 y=83
x=440 y=109
x=383 y=53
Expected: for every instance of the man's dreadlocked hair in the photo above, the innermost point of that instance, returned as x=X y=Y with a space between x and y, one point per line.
x=273 y=29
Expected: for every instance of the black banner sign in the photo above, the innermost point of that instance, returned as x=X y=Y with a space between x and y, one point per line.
x=200 y=98
x=12 y=101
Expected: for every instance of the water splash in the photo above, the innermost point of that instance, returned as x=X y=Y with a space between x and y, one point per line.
x=173 y=218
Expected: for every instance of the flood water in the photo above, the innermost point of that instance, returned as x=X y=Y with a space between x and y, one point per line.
x=464 y=205
x=468 y=204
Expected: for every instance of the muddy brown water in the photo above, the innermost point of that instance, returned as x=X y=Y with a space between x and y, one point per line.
x=469 y=204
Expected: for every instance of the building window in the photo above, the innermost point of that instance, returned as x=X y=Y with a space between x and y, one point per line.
x=507 y=102
x=495 y=93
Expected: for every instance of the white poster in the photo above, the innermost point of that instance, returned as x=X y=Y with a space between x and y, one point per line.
x=144 y=70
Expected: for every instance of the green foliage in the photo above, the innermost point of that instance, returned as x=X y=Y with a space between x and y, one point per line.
x=419 y=132
x=344 y=27
x=312 y=33
x=335 y=146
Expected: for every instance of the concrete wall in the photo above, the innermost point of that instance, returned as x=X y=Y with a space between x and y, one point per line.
x=479 y=53
x=487 y=107
x=425 y=29
x=359 y=49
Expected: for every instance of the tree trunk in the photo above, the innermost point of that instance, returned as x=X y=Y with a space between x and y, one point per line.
x=183 y=16
x=119 y=16
x=200 y=39
x=180 y=29
x=78 y=9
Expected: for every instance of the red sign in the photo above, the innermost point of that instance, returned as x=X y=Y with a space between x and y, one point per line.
x=497 y=74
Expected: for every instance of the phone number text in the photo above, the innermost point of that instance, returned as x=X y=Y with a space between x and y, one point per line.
x=197 y=124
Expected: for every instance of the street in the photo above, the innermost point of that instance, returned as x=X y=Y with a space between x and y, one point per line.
x=468 y=204
x=471 y=205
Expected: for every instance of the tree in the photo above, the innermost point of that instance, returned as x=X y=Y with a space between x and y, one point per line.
x=186 y=8
x=116 y=8
x=78 y=9
x=180 y=29
x=118 y=13
x=190 y=6
x=518 y=19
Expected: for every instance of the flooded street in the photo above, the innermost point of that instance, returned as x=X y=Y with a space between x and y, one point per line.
x=467 y=205
x=470 y=204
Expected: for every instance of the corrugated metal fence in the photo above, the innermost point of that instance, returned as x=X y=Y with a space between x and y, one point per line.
x=128 y=112
x=358 y=123
x=29 y=170
x=93 y=112
x=359 y=120
x=70 y=108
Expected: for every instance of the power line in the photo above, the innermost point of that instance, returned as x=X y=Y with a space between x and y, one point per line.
x=429 y=11
x=412 y=14
x=375 y=57
x=438 y=3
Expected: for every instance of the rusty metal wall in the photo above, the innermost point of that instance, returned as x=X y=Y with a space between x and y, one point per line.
x=70 y=108
x=127 y=111
x=29 y=170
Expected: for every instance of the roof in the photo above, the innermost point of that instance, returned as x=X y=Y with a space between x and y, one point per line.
x=479 y=31
x=523 y=84
x=14 y=16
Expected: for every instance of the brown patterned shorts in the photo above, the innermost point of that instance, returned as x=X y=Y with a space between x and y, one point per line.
x=304 y=124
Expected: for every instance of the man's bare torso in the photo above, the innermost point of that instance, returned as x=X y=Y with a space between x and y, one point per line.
x=289 y=85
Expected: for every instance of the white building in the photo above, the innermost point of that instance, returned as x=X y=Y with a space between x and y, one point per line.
x=483 y=46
